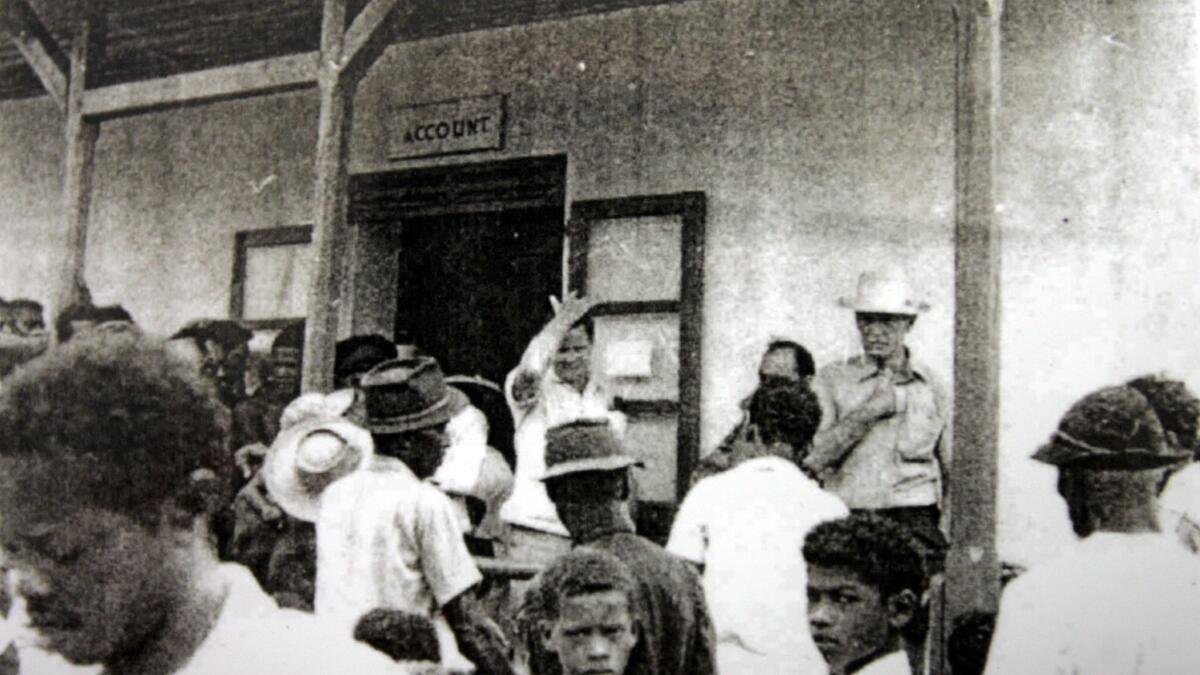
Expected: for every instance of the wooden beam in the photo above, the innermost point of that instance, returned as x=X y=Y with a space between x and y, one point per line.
x=972 y=570
x=81 y=135
x=37 y=45
x=254 y=78
x=367 y=37
x=329 y=194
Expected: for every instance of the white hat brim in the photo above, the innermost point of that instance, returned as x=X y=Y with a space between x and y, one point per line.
x=284 y=480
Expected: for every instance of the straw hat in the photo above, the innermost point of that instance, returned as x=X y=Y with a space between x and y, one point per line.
x=884 y=291
x=315 y=448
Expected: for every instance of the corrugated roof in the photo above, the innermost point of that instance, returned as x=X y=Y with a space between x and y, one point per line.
x=156 y=38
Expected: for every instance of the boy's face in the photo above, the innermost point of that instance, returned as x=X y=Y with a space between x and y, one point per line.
x=594 y=633
x=849 y=618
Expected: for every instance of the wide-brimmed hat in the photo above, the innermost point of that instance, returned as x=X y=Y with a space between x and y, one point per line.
x=315 y=448
x=884 y=291
x=1113 y=428
x=409 y=394
x=584 y=445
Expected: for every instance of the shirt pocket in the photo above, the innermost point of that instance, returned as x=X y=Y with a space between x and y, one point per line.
x=922 y=425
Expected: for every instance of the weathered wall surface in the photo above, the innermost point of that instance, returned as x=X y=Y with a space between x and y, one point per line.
x=822 y=133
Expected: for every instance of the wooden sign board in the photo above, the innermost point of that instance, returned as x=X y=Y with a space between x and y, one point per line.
x=448 y=127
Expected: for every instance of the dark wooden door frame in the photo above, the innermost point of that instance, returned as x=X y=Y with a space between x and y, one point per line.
x=691 y=207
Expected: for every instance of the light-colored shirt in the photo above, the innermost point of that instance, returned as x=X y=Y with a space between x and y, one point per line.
x=388 y=540
x=897 y=463
x=747 y=527
x=1113 y=604
x=253 y=635
x=1179 y=506
x=556 y=403
x=895 y=663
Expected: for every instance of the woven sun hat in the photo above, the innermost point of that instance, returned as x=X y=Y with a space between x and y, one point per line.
x=314 y=448
x=1113 y=428
x=584 y=445
x=885 y=290
x=409 y=394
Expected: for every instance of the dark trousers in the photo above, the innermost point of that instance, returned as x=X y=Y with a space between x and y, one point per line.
x=922 y=523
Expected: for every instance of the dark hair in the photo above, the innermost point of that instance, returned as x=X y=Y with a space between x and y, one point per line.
x=291 y=337
x=225 y=332
x=129 y=424
x=805 y=366
x=112 y=313
x=25 y=303
x=967 y=648
x=583 y=571
x=598 y=486
x=74 y=312
x=877 y=550
x=401 y=635
x=588 y=323
x=786 y=412
x=1176 y=407
x=419 y=449
x=360 y=353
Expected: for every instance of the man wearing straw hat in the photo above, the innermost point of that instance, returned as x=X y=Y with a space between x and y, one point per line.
x=1124 y=598
x=882 y=442
x=386 y=538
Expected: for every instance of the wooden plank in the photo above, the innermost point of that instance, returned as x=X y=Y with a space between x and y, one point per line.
x=255 y=78
x=37 y=46
x=368 y=35
x=636 y=307
x=329 y=194
x=694 y=209
x=972 y=571
x=81 y=135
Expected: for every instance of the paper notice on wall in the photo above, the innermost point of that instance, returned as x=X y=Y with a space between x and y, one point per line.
x=628 y=358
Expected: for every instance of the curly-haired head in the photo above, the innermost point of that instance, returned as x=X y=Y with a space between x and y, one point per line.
x=788 y=413
x=584 y=571
x=879 y=551
x=1177 y=409
x=403 y=636
x=118 y=423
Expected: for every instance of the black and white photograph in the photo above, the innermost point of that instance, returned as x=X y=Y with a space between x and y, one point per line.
x=600 y=337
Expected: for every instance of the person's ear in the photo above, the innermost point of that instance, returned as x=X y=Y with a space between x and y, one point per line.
x=901 y=608
x=546 y=633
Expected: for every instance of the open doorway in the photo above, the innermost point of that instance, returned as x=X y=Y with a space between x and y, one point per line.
x=473 y=287
x=473 y=251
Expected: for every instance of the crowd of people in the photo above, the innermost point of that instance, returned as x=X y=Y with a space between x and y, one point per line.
x=179 y=506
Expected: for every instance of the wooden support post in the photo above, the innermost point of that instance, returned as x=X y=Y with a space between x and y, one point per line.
x=972 y=571
x=344 y=58
x=329 y=229
x=80 y=160
x=37 y=45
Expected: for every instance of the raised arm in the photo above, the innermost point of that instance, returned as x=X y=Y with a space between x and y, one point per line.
x=479 y=638
x=524 y=381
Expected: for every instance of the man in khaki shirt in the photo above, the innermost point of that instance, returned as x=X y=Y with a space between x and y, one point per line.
x=883 y=440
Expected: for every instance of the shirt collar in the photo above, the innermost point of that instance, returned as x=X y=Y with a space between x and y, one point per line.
x=913 y=370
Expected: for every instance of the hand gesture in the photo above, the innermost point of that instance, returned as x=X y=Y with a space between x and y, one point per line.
x=882 y=402
x=572 y=307
x=249 y=457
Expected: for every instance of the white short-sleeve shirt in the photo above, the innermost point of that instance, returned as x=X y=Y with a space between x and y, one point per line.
x=1114 y=604
x=747 y=527
x=386 y=539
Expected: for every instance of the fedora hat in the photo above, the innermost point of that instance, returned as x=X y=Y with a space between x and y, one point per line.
x=884 y=291
x=309 y=456
x=584 y=445
x=409 y=394
x=1114 y=428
